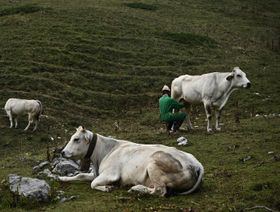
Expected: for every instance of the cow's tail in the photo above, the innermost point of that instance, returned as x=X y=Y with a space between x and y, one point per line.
x=40 y=112
x=200 y=173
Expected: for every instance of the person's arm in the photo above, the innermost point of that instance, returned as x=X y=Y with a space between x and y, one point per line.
x=177 y=105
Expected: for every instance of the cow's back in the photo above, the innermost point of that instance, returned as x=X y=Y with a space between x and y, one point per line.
x=194 y=88
x=21 y=106
x=131 y=160
x=190 y=88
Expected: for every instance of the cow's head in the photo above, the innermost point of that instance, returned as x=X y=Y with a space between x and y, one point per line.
x=78 y=145
x=238 y=78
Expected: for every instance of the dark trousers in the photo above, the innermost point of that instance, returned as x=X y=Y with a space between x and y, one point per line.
x=176 y=125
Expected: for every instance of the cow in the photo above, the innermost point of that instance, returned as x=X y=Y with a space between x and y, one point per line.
x=16 y=107
x=212 y=89
x=152 y=169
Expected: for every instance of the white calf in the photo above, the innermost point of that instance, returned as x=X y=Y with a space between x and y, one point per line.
x=16 y=107
x=153 y=169
x=212 y=89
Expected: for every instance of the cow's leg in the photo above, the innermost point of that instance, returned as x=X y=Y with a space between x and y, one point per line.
x=207 y=108
x=103 y=182
x=167 y=174
x=16 y=122
x=141 y=189
x=36 y=125
x=162 y=170
x=28 y=125
x=157 y=190
x=188 y=120
x=30 y=120
x=218 y=113
x=36 y=117
x=9 y=113
x=79 y=177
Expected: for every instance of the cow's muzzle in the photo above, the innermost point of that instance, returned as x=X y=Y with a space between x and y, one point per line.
x=248 y=85
x=65 y=154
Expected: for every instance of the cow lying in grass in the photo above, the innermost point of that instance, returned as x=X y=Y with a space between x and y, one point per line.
x=212 y=89
x=17 y=107
x=152 y=169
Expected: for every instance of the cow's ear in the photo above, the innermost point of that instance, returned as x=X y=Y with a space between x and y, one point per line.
x=230 y=77
x=235 y=68
x=81 y=128
x=87 y=138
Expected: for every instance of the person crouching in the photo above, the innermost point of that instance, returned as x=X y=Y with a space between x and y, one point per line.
x=172 y=119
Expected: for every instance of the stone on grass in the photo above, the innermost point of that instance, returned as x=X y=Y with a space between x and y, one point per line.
x=65 y=167
x=32 y=188
x=182 y=141
x=41 y=166
x=47 y=173
x=61 y=197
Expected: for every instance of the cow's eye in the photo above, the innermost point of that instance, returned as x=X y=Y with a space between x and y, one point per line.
x=76 y=139
x=238 y=75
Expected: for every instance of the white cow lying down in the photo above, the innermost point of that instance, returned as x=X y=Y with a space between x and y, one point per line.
x=212 y=89
x=152 y=169
x=16 y=107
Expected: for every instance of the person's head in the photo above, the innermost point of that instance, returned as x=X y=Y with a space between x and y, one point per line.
x=165 y=90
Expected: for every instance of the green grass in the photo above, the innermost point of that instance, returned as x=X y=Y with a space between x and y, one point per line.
x=93 y=63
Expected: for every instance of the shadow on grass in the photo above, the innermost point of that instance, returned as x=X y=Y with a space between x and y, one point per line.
x=139 y=5
x=192 y=40
x=23 y=9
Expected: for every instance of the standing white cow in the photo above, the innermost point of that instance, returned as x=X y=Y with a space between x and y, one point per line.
x=152 y=169
x=15 y=107
x=212 y=89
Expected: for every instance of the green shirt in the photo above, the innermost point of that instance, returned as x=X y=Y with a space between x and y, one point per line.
x=166 y=106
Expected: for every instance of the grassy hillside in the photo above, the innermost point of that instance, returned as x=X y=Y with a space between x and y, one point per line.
x=93 y=63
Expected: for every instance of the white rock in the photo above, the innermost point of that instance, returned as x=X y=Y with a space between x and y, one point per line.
x=31 y=188
x=182 y=143
x=180 y=139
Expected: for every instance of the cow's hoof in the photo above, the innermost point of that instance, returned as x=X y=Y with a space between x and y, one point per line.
x=209 y=130
x=109 y=188
x=63 y=179
x=218 y=128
